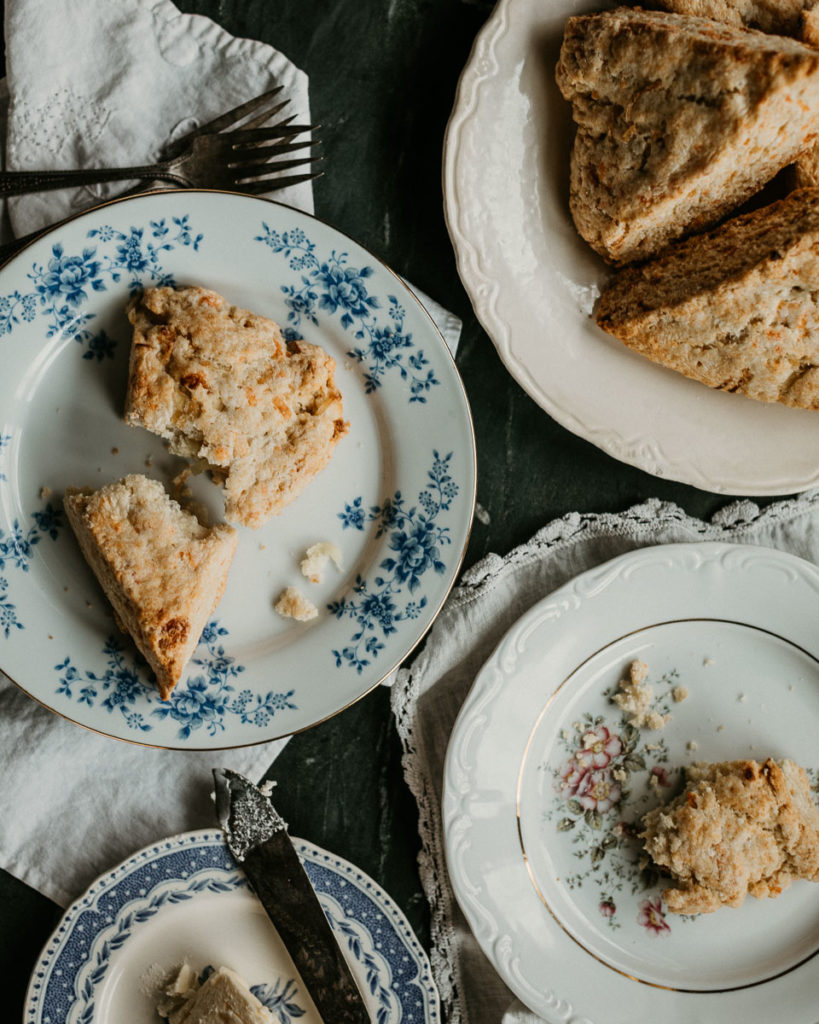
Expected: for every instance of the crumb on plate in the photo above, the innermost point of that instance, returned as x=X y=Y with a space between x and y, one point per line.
x=292 y=604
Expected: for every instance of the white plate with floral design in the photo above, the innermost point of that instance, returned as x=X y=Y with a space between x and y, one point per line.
x=397 y=496
x=546 y=782
x=184 y=899
x=533 y=282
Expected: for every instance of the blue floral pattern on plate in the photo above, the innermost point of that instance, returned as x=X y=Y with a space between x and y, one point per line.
x=333 y=285
x=202 y=702
x=396 y=497
x=416 y=539
x=61 y=286
x=70 y=978
x=17 y=548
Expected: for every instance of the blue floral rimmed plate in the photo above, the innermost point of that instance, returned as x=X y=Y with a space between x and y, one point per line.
x=397 y=497
x=184 y=899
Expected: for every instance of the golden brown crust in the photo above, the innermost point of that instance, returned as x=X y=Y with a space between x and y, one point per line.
x=161 y=569
x=223 y=387
x=679 y=120
x=735 y=308
x=739 y=827
x=781 y=17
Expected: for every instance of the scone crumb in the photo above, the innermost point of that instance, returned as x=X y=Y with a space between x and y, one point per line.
x=708 y=662
x=294 y=605
x=635 y=696
x=316 y=558
x=679 y=694
x=181 y=488
x=692 y=745
x=45 y=493
x=267 y=787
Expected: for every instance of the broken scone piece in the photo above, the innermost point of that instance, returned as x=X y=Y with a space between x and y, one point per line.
x=223 y=998
x=292 y=604
x=739 y=827
x=224 y=388
x=634 y=697
x=679 y=119
x=733 y=308
x=316 y=558
x=162 y=570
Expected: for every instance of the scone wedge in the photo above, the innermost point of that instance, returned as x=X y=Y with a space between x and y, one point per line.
x=735 y=308
x=163 y=571
x=780 y=17
x=679 y=120
x=225 y=389
x=222 y=998
x=739 y=828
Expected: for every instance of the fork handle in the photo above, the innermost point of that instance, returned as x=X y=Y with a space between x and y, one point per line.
x=15 y=183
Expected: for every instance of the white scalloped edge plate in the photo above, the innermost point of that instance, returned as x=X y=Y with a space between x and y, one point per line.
x=533 y=282
x=545 y=784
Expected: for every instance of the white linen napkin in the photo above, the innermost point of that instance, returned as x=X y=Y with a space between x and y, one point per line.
x=489 y=599
x=76 y=803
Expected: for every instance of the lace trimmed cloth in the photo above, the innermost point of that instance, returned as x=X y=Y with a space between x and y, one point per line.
x=491 y=596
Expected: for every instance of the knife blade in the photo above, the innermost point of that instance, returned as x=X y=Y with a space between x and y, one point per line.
x=257 y=838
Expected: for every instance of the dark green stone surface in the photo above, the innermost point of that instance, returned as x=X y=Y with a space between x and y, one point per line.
x=383 y=75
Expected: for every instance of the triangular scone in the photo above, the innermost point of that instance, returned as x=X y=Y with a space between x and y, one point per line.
x=781 y=17
x=735 y=308
x=679 y=120
x=224 y=388
x=807 y=163
x=161 y=569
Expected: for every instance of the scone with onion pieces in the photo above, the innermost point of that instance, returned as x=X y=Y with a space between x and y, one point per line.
x=223 y=386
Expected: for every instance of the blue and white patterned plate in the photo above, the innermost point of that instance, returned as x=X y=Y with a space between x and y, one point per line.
x=397 y=497
x=184 y=899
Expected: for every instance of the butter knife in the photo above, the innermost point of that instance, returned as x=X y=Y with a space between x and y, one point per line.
x=257 y=838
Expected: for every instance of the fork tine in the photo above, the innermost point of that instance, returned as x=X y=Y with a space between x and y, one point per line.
x=259 y=154
x=234 y=116
x=265 y=115
x=258 y=171
x=240 y=137
x=255 y=188
x=226 y=120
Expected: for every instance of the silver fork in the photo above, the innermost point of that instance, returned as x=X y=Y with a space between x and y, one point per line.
x=250 y=115
x=242 y=160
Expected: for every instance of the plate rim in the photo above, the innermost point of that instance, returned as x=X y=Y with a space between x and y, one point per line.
x=398 y=919
x=480 y=67
x=471 y=468
x=479 y=694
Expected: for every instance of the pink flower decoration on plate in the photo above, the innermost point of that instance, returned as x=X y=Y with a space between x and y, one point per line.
x=599 y=746
x=595 y=790
x=652 y=917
